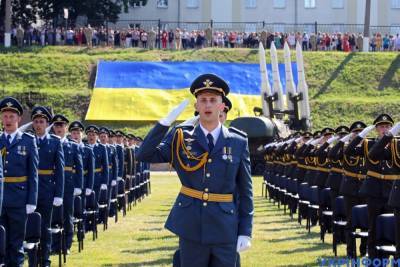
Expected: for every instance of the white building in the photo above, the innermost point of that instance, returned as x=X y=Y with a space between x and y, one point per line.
x=278 y=14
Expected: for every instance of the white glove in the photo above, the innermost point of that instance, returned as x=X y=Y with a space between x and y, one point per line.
x=119 y=178
x=113 y=183
x=297 y=140
x=316 y=141
x=103 y=187
x=346 y=138
x=58 y=201
x=192 y=121
x=88 y=191
x=332 y=139
x=309 y=141
x=77 y=191
x=290 y=141
x=30 y=208
x=366 y=130
x=174 y=114
x=243 y=243
x=395 y=129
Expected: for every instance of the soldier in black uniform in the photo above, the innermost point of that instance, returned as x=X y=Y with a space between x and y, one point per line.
x=353 y=174
x=336 y=170
x=387 y=149
x=377 y=185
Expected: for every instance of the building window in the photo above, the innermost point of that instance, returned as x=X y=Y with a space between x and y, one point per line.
x=309 y=3
x=251 y=3
x=192 y=3
x=337 y=4
x=162 y=3
x=279 y=3
x=395 y=3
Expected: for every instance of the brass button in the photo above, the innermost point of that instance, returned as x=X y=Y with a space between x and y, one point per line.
x=205 y=196
x=209 y=160
x=205 y=204
x=206 y=189
x=208 y=174
x=8 y=152
x=6 y=161
x=5 y=171
x=231 y=211
x=180 y=204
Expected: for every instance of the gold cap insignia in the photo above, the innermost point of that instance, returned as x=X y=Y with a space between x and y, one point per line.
x=9 y=104
x=208 y=83
x=384 y=118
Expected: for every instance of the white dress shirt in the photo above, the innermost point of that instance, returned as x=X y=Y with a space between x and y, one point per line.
x=215 y=133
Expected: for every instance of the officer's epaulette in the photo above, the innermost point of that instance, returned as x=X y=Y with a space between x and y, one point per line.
x=29 y=135
x=55 y=136
x=237 y=131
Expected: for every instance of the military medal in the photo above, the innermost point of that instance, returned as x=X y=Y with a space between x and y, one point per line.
x=230 y=153
x=189 y=148
x=224 y=156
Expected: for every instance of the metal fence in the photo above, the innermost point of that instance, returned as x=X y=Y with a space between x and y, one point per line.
x=314 y=27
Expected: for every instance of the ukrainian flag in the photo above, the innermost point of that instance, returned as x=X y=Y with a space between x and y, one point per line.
x=147 y=91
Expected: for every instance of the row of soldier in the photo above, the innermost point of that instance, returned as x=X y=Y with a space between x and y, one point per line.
x=348 y=163
x=42 y=171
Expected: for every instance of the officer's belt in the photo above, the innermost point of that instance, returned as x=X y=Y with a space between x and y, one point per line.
x=45 y=172
x=358 y=176
x=68 y=169
x=19 y=179
x=383 y=176
x=322 y=169
x=205 y=196
x=98 y=170
x=337 y=170
x=308 y=167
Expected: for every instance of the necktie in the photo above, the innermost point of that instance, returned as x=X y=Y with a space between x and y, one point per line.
x=210 y=142
x=9 y=139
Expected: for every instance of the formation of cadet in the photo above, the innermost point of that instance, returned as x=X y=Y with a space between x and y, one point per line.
x=53 y=167
x=213 y=213
x=348 y=164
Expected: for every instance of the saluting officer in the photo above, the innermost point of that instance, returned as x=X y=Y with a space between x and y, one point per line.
x=387 y=148
x=73 y=174
x=212 y=163
x=20 y=159
x=377 y=185
x=51 y=177
x=353 y=174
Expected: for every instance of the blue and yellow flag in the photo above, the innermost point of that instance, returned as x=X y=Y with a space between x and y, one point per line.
x=147 y=91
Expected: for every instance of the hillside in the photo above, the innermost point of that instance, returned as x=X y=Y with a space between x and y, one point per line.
x=343 y=87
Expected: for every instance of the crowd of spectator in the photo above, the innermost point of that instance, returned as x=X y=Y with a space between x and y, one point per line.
x=178 y=39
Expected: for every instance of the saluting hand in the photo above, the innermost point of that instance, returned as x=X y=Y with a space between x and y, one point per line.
x=174 y=114
x=395 y=129
x=366 y=130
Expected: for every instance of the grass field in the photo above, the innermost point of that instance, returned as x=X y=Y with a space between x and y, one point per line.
x=139 y=239
x=344 y=87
